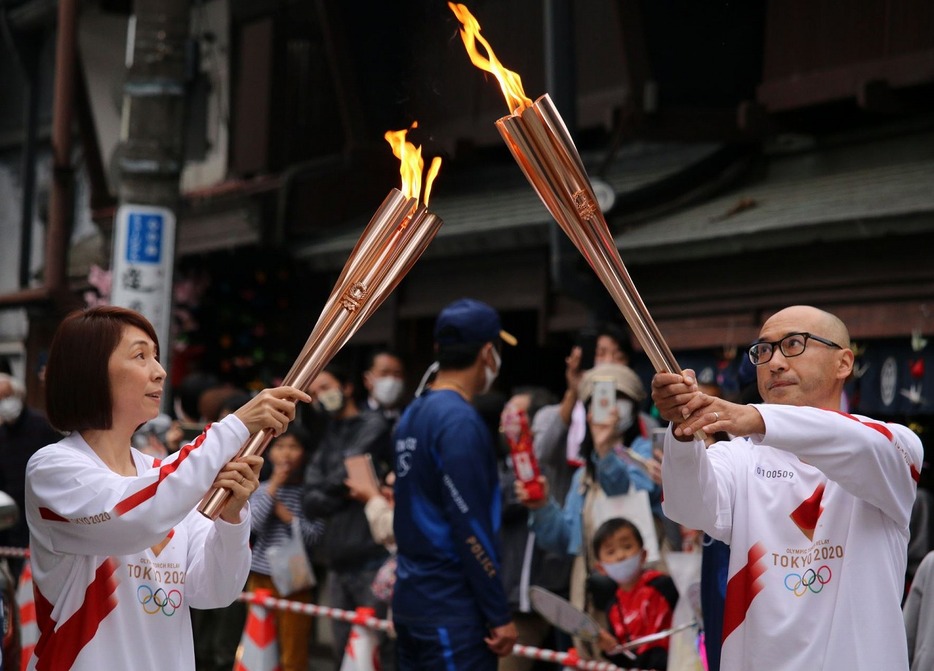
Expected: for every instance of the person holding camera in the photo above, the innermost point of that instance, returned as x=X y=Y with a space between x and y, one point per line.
x=608 y=470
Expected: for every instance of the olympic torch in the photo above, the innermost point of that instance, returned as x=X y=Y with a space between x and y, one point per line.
x=396 y=236
x=540 y=143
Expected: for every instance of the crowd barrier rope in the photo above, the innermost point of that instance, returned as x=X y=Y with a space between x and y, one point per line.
x=364 y=617
x=14 y=552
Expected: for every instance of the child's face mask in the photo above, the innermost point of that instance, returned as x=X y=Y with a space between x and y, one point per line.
x=623 y=571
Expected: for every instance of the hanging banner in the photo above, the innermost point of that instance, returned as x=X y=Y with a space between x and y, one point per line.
x=893 y=378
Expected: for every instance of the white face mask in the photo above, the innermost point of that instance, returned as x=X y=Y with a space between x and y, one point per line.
x=10 y=409
x=332 y=400
x=388 y=390
x=624 y=410
x=624 y=571
x=491 y=374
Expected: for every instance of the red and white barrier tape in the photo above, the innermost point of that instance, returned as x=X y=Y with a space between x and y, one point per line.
x=370 y=621
x=567 y=659
x=14 y=552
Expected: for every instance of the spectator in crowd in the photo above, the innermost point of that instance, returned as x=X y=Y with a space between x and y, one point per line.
x=814 y=503
x=187 y=396
x=347 y=549
x=569 y=529
x=384 y=382
x=119 y=552
x=276 y=504
x=524 y=564
x=639 y=602
x=919 y=616
x=609 y=343
x=218 y=631
x=214 y=402
x=449 y=607
x=559 y=429
x=188 y=422
x=173 y=437
x=921 y=538
x=378 y=506
x=153 y=436
x=22 y=432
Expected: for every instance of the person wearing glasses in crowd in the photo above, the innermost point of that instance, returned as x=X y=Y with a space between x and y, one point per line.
x=814 y=503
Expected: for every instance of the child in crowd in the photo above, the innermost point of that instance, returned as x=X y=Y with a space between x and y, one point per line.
x=277 y=501
x=637 y=602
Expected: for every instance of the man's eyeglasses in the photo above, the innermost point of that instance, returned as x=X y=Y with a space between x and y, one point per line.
x=791 y=345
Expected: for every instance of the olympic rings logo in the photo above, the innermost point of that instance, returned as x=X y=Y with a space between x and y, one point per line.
x=810 y=580
x=159 y=600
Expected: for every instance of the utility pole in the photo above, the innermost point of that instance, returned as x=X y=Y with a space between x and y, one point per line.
x=150 y=162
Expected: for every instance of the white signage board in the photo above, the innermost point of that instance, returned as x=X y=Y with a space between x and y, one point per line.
x=143 y=263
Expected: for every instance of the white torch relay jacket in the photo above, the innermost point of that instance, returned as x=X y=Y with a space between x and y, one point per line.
x=816 y=514
x=118 y=561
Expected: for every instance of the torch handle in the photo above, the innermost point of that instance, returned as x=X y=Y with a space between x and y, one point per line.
x=215 y=500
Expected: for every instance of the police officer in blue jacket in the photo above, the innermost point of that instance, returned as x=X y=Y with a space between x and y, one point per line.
x=450 y=609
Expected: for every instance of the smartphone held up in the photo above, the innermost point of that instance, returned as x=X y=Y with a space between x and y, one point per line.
x=603 y=399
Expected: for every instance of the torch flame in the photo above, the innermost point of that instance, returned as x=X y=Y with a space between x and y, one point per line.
x=509 y=81
x=433 y=170
x=412 y=164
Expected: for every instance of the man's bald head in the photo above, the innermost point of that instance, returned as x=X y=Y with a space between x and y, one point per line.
x=821 y=322
x=813 y=377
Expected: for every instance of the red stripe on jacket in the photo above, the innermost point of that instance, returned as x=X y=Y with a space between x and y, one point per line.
x=742 y=588
x=58 y=648
x=884 y=430
x=165 y=471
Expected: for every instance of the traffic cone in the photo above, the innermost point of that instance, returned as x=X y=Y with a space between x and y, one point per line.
x=29 y=628
x=258 y=649
x=362 y=650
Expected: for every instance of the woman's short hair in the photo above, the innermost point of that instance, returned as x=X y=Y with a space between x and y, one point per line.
x=77 y=377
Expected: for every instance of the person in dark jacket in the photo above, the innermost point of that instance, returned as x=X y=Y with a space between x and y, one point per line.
x=22 y=432
x=347 y=548
x=449 y=606
x=524 y=563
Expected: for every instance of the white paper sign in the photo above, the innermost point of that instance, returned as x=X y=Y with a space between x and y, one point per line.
x=143 y=263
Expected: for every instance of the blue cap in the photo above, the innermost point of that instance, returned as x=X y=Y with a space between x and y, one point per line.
x=468 y=321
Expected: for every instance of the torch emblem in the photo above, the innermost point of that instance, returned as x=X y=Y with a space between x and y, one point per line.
x=354 y=297
x=586 y=208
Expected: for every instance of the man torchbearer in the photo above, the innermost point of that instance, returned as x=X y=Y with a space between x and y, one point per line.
x=814 y=503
